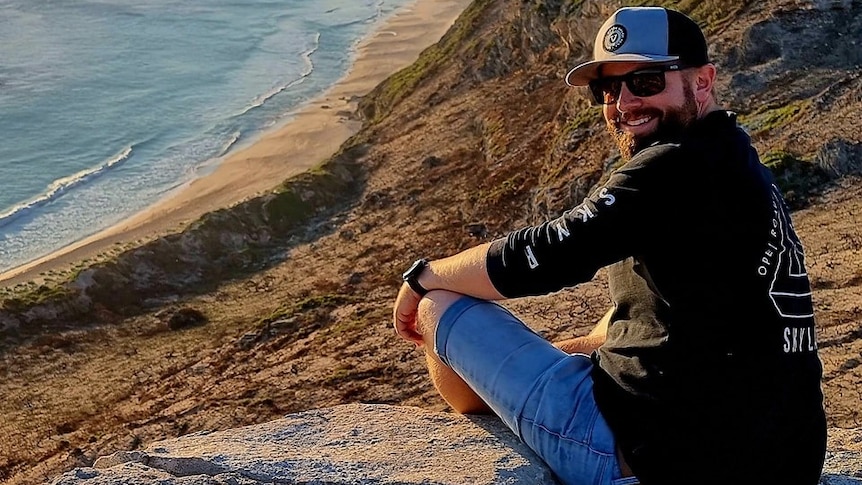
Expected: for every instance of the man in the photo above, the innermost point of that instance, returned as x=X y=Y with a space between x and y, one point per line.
x=706 y=370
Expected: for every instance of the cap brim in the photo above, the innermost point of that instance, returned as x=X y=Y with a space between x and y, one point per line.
x=582 y=75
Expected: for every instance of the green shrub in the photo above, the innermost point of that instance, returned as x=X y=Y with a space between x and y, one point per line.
x=798 y=179
x=766 y=119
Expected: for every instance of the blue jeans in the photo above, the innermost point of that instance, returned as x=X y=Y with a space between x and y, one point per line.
x=542 y=393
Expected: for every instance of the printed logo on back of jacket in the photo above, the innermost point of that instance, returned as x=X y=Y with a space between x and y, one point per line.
x=783 y=262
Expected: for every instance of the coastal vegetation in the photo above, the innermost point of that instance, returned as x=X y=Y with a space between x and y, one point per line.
x=460 y=38
x=799 y=180
x=767 y=118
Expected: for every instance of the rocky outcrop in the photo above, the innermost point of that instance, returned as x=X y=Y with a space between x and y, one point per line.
x=347 y=444
x=366 y=444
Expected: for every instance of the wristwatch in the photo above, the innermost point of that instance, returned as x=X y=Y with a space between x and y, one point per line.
x=411 y=276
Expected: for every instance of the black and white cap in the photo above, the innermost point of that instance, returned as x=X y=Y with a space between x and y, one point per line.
x=643 y=34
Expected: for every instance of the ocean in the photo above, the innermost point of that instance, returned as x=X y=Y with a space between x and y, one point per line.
x=106 y=106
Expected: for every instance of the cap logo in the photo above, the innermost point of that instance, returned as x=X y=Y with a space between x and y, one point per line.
x=614 y=38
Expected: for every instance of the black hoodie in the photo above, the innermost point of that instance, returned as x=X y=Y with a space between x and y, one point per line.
x=710 y=372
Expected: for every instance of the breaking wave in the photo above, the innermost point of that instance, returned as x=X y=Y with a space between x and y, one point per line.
x=61 y=186
x=309 y=68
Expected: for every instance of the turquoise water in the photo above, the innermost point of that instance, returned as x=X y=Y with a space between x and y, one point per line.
x=108 y=105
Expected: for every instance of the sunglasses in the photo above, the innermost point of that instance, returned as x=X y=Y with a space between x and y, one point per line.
x=642 y=83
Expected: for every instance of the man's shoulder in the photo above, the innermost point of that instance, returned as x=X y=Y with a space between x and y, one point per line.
x=655 y=155
x=659 y=150
x=714 y=133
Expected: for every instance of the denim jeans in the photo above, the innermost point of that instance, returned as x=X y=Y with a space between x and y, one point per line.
x=540 y=392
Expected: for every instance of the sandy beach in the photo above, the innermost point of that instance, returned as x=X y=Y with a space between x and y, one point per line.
x=312 y=133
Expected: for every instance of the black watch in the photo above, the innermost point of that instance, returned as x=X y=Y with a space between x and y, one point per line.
x=411 y=276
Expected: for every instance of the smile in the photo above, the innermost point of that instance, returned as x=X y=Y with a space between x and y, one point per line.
x=637 y=121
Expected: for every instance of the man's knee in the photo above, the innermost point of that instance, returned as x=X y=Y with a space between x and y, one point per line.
x=431 y=310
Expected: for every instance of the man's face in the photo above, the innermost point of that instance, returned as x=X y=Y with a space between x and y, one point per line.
x=634 y=121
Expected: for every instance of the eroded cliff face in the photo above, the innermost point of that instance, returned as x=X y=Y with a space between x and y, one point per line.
x=480 y=136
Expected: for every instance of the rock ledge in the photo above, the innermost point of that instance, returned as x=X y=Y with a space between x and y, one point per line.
x=365 y=444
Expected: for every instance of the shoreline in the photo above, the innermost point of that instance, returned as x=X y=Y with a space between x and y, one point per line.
x=312 y=133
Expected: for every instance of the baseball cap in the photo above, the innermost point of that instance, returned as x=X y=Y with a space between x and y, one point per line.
x=643 y=34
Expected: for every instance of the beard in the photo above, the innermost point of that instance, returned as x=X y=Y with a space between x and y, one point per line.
x=672 y=122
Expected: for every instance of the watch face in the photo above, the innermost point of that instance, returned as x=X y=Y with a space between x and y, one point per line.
x=415 y=269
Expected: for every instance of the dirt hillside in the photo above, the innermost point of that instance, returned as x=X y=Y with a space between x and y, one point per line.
x=283 y=303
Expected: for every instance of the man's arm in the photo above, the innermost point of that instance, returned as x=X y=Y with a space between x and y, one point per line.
x=465 y=273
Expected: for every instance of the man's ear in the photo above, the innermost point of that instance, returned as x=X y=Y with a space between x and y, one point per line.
x=704 y=79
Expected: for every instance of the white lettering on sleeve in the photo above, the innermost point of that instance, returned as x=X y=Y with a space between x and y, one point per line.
x=585 y=213
x=531 y=258
x=562 y=231
x=607 y=197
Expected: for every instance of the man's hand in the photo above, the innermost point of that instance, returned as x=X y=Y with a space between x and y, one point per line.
x=581 y=345
x=463 y=273
x=590 y=342
x=404 y=315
